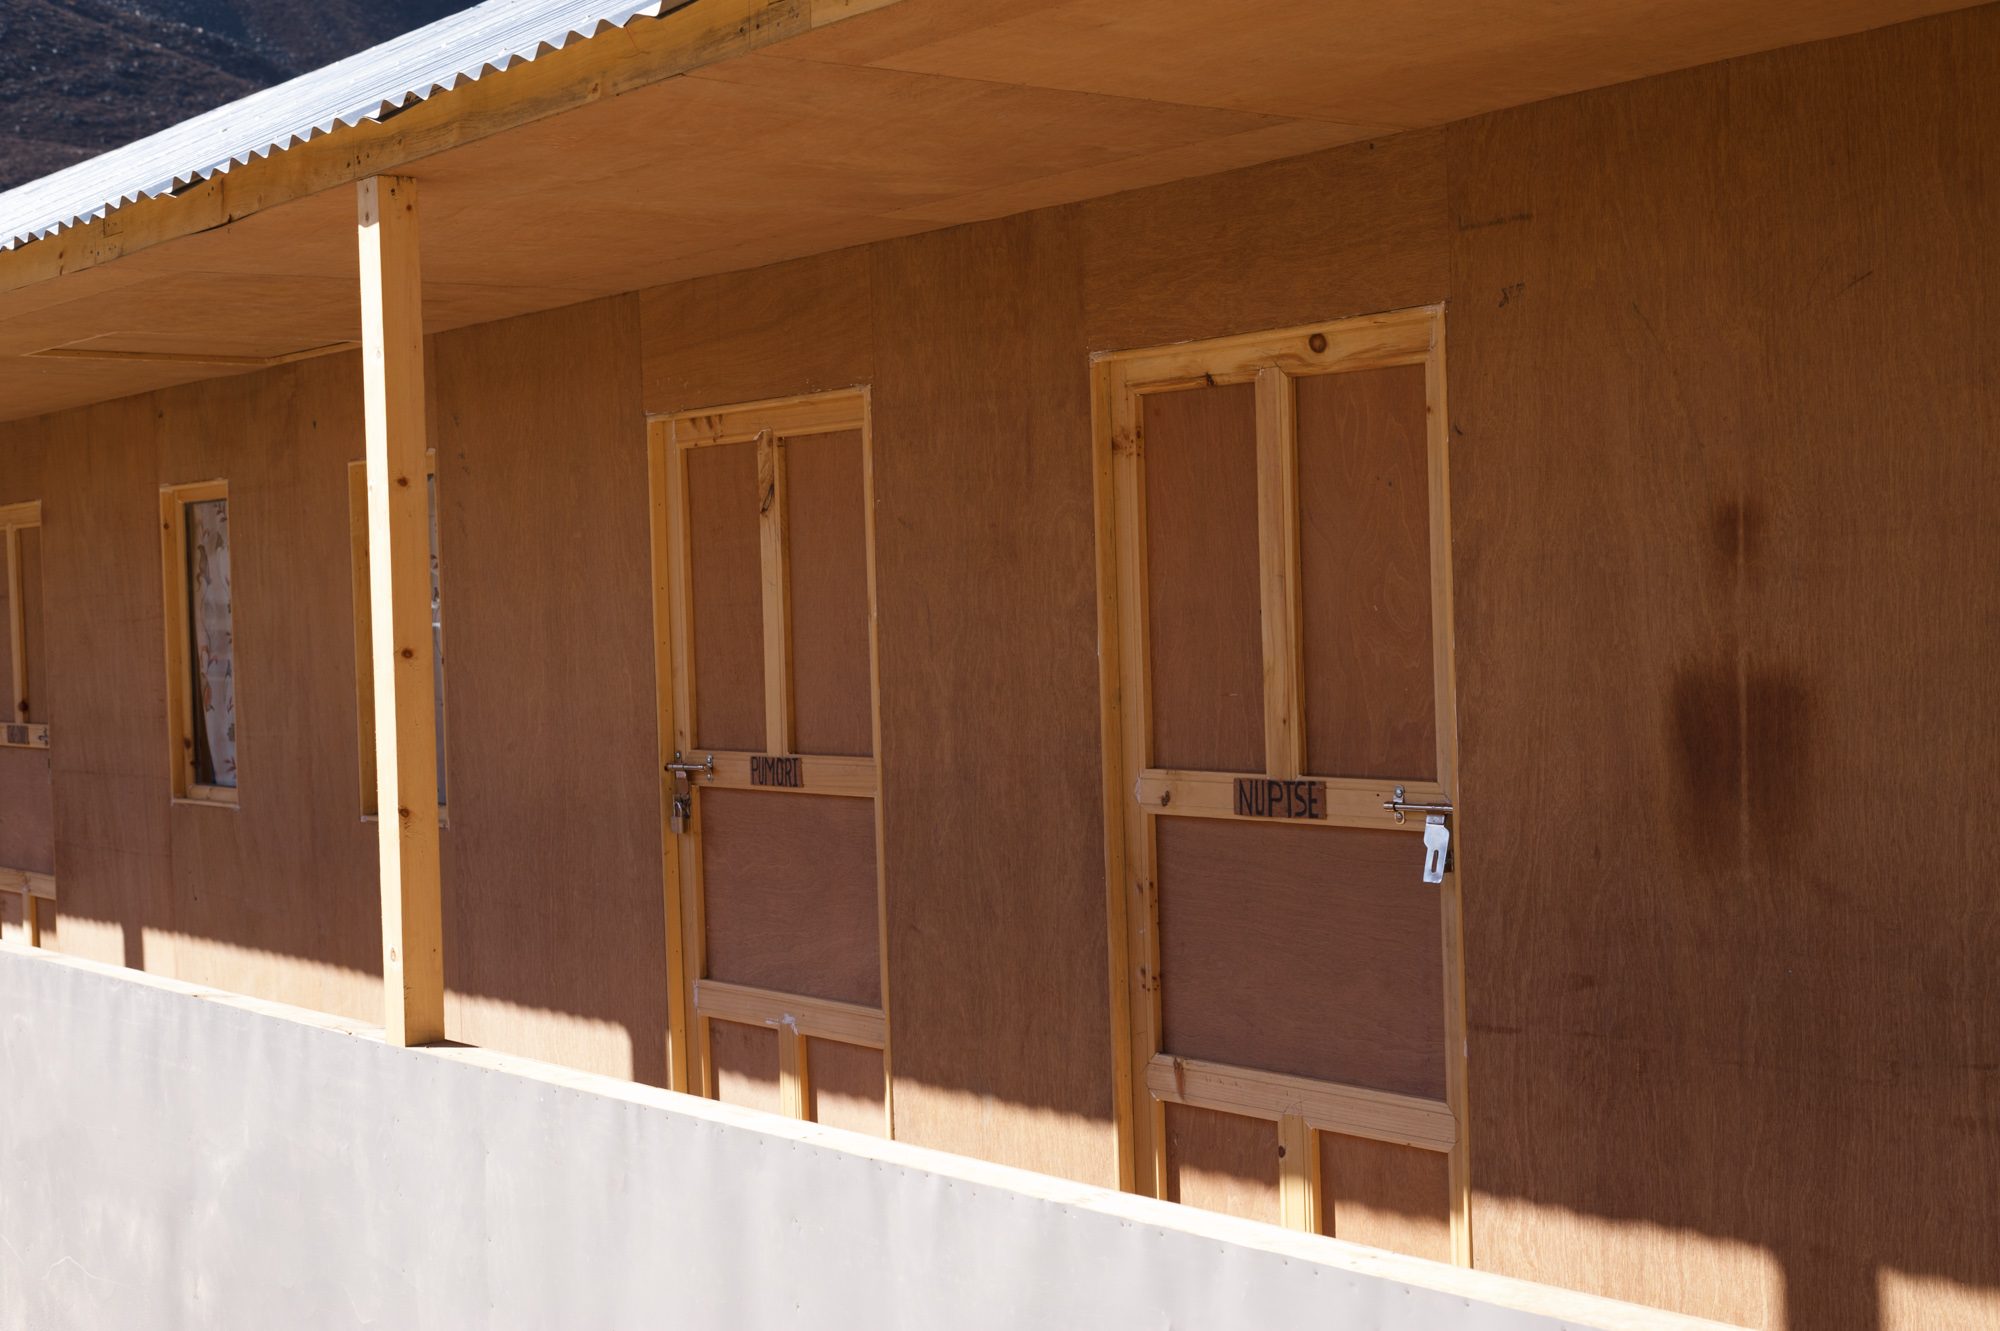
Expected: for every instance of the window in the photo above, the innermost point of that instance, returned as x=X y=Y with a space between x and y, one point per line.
x=364 y=669
x=22 y=669
x=201 y=643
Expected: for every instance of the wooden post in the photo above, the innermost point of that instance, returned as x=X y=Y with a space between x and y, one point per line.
x=392 y=366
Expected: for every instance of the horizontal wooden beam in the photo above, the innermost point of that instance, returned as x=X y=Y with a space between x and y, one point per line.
x=1352 y=1111
x=787 y=417
x=818 y=775
x=26 y=880
x=645 y=52
x=192 y=357
x=1400 y=337
x=820 y=1018
x=19 y=735
x=1350 y=801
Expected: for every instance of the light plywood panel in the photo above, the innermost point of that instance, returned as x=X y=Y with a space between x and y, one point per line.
x=1222 y=1162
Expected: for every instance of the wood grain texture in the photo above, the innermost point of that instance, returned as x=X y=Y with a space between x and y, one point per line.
x=726 y=604
x=780 y=331
x=1222 y=1162
x=1206 y=668
x=34 y=651
x=1725 y=483
x=1312 y=951
x=1352 y=231
x=833 y=705
x=848 y=1088
x=1394 y=1197
x=790 y=891
x=27 y=811
x=1365 y=578
x=554 y=916
x=745 y=1063
x=996 y=912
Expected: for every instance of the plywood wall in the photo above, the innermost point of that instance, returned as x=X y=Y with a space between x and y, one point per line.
x=1723 y=356
x=1721 y=351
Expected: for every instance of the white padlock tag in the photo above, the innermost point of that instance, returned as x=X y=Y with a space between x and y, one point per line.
x=1437 y=844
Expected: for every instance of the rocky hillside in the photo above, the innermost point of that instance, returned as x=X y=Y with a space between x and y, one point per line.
x=80 y=76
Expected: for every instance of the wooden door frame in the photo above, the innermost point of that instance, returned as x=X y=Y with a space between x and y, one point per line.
x=694 y=1000
x=1145 y=1078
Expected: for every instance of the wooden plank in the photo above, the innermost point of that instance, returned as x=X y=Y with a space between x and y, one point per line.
x=775 y=587
x=1350 y=801
x=16 y=736
x=819 y=1018
x=28 y=882
x=1278 y=573
x=875 y=747
x=364 y=658
x=685 y=880
x=1405 y=1120
x=400 y=605
x=785 y=417
x=1298 y=1174
x=1368 y=342
x=794 y=1075
x=820 y=774
x=663 y=525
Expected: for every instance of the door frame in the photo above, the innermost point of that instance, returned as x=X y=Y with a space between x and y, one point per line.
x=693 y=1000
x=1145 y=1078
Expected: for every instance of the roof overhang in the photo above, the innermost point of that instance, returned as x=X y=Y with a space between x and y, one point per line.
x=729 y=134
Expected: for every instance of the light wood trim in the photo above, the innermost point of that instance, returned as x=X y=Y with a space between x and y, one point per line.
x=175 y=594
x=775 y=591
x=1298 y=1174
x=1277 y=573
x=1452 y=891
x=875 y=745
x=193 y=358
x=364 y=672
x=1123 y=451
x=819 y=1018
x=16 y=735
x=392 y=367
x=794 y=1076
x=1353 y=1111
x=785 y=417
x=29 y=883
x=823 y=774
x=663 y=461
x=1376 y=341
x=643 y=53
x=1111 y=750
x=1350 y=801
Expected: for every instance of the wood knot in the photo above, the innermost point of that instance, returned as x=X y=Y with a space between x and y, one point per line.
x=1317 y=342
x=409 y=654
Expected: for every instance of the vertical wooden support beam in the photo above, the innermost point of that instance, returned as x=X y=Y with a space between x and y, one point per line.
x=1298 y=1174
x=1278 y=572
x=794 y=1074
x=776 y=560
x=392 y=365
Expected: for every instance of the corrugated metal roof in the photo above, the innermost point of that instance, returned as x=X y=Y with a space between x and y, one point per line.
x=366 y=86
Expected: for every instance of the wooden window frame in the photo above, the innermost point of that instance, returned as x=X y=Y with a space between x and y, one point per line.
x=364 y=630
x=696 y=1001
x=1137 y=793
x=18 y=728
x=179 y=642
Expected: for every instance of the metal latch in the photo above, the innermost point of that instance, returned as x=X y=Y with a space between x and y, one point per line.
x=680 y=808
x=1437 y=832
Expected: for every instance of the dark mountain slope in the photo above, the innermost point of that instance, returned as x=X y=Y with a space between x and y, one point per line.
x=78 y=77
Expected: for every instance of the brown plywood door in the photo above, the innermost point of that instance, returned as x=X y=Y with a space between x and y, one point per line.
x=764 y=572
x=27 y=797
x=1273 y=516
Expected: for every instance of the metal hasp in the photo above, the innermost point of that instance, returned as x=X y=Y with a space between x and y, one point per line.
x=681 y=808
x=1437 y=834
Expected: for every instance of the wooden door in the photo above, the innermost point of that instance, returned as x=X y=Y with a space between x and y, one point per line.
x=764 y=574
x=1276 y=609
x=27 y=803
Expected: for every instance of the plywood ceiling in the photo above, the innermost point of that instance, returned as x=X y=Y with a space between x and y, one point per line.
x=923 y=114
